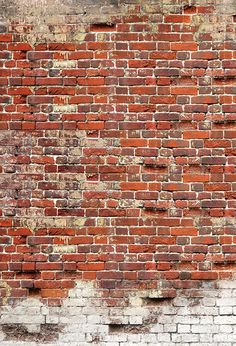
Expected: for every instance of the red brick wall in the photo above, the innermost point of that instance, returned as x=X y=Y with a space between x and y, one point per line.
x=118 y=152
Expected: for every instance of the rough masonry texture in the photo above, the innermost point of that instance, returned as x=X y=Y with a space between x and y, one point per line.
x=118 y=181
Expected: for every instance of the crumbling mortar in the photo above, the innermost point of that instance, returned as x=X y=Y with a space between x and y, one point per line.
x=51 y=21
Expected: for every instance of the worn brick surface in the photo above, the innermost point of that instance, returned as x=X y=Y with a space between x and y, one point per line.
x=117 y=161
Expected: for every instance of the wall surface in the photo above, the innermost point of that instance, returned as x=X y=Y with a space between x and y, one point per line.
x=118 y=180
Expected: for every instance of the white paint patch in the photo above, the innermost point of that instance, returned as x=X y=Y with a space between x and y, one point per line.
x=84 y=318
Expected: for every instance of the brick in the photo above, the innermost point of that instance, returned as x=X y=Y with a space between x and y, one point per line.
x=208 y=55
x=53 y=293
x=134 y=186
x=19 y=46
x=204 y=276
x=6 y=222
x=204 y=99
x=5 y=37
x=185 y=46
x=172 y=18
x=187 y=231
x=143 y=46
x=184 y=91
x=34 y=100
x=213 y=160
x=196 y=178
x=39 y=55
x=196 y=134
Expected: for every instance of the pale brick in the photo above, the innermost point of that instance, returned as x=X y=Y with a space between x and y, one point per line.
x=164 y=337
x=204 y=338
x=158 y=328
x=226 y=302
x=227 y=284
x=205 y=329
x=226 y=310
x=135 y=320
x=134 y=338
x=116 y=338
x=209 y=301
x=225 y=320
x=65 y=63
x=226 y=329
x=170 y=328
x=183 y=328
x=149 y=338
x=206 y=320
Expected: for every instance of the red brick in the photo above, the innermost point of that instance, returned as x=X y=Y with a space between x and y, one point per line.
x=6 y=222
x=185 y=46
x=204 y=276
x=204 y=99
x=184 y=90
x=196 y=178
x=136 y=186
x=137 y=166
x=6 y=37
x=173 y=18
x=53 y=293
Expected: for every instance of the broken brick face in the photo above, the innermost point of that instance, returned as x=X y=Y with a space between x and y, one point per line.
x=117 y=161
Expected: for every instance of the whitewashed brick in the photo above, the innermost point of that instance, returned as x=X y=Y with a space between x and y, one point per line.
x=200 y=329
x=206 y=338
x=225 y=320
x=183 y=328
x=169 y=310
x=206 y=320
x=135 y=320
x=226 y=310
x=227 y=284
x=210 y=323
x=116 y=338
x=226 y=302
x=226 y=329
x=187 y=319
x=135 y=338
x=170 y=328
x=148 y=338
x=164 y=337
x=209 y=302
x=157 y=328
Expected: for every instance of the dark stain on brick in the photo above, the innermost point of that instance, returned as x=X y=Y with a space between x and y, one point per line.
x=151 y=319
x=96 y=338
x=195 y=301
x=105 y=26
x=157 y=301
x=18 y=332
x=34 y=292
x=128 y=328
x=3 y=29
